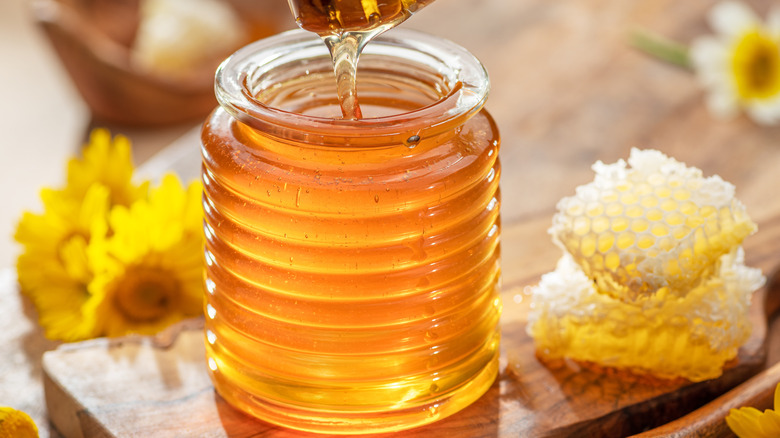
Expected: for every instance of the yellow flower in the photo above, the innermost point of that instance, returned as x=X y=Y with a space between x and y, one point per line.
x=53 y=269
x=62 y=268
x=16 y=424
x=751 y=423
x=148 y=272
x=740 y=67
x=106 y=162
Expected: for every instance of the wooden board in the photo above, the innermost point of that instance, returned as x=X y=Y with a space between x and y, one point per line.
x=143 y=386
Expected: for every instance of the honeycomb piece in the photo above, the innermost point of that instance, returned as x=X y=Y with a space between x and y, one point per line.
x=654 y=226
x=690 y=337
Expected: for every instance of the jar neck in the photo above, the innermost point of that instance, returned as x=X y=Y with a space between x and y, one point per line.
x=434 y=85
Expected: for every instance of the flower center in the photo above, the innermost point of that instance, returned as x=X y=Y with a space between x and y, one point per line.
x=146 y=294
x=756 y=66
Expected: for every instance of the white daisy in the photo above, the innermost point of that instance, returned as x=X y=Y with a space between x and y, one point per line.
x=740 y=66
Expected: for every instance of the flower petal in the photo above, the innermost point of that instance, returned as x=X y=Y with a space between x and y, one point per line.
x=773 y=22
x=732 y=18
x=710 y=58
x=708 y=52
x=722 y=105
x=744 y=422
x=765 y=113
x=770 y=423
x=777 y=397
x=16 y=424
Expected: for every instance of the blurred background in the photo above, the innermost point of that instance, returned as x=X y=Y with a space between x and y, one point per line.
x=567 y=87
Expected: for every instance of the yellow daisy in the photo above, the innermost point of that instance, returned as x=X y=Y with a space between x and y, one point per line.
x=148 y=272
x=751 y=423
x=108 y=162
x=53 y=269
x=106 y=257
x=16 y=424
x=740 y=67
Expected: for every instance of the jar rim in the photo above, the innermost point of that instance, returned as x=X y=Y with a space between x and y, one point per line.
x=465 y=75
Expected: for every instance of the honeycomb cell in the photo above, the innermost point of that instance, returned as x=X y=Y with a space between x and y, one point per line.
x=645 y=242
x=581 y=226
x=654 y=215
x=674 y=219
x=639 y=225
x=626 y=240
x=694 y=221
x=629 y=198
x=649 y=201
x=600 y=224
x=663 y=192
x=675 y=181
x=588 y=245
x=666 y=244
x=575 y=209
x=707 y=211
x=659 y=230
x=669 y=205
x=610 y=196
x=612 y=261
x=679 y=233
x=681 y=195
x=635 y=211
x=595 y=209
x=619 y=224
x=614 y=209
x=605 y=242
x=688 y=208
x=643 y=188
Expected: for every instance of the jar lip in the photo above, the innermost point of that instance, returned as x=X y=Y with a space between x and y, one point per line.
x=467 y=78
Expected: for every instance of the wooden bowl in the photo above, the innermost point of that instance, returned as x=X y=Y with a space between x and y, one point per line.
x=93 y=38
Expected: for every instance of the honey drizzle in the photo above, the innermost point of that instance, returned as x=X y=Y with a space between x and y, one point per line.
x=346 y=26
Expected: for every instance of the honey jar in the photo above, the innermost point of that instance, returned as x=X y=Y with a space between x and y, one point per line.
x=352 y=266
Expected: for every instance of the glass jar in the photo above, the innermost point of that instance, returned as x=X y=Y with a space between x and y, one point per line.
x=352 y=266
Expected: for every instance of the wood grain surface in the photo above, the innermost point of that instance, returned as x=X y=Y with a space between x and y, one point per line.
x=708 y=421
x=143 y=386
x=567 y=90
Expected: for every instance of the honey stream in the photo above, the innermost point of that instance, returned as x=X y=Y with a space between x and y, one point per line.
x=346 y=26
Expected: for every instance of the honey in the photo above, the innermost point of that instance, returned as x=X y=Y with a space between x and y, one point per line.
x=346 y=27
x=352 y=266
x=337 y=16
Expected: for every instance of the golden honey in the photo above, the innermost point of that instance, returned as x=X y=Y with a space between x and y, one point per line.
x=328 y=16
x=352 y=266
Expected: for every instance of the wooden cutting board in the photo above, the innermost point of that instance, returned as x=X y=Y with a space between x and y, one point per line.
x=144 y=386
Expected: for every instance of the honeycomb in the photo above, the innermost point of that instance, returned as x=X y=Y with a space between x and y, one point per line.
x=654 y=227
x=690 y=337
x=652 y=278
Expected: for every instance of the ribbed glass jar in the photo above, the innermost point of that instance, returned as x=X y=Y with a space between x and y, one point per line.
x=352 y=266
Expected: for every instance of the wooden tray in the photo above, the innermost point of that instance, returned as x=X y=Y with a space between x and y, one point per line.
x=143 y=386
